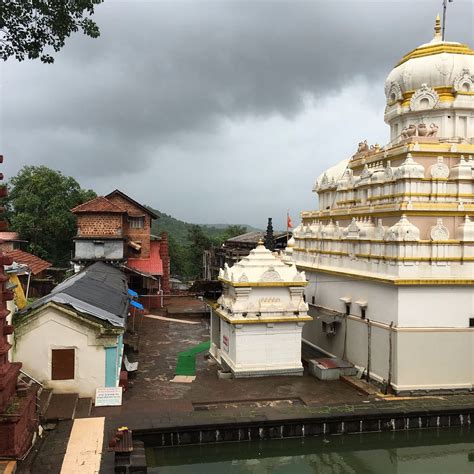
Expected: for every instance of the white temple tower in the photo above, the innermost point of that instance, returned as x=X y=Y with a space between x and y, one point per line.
x=389 y=255
x=257 y=322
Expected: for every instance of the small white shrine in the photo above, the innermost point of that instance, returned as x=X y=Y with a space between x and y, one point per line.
x=257 y=323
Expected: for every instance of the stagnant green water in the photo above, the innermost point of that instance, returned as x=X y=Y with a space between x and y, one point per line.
x=424 y=451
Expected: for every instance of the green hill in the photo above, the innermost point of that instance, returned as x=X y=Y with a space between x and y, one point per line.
x=179 y=230
x=187 y=242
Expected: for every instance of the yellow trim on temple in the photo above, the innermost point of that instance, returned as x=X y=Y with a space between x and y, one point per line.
x=437 y=48
x=289 y=319
x=393 y=281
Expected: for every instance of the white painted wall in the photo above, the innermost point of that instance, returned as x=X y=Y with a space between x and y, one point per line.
x=262 y=348
x=54 y=330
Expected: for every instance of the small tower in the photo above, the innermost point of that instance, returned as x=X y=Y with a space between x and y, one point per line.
x=257 y=323
x=269 y=237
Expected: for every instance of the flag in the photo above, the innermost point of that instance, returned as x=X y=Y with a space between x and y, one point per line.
x=289 y=224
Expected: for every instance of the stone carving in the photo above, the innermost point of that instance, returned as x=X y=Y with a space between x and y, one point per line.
x=439 y=231
x=379 y=232
x=422 y=130
x=243 y=278
x=366 y=173
x=271 y=275
x=363 y=146
x=353 y=229
x=388 y=171
x=324 y=180
x=394 y=92
x=424 y=98
x=464 y=81
x=409 y=131
x=433 y=130
x=403 y=230
x=440 y=169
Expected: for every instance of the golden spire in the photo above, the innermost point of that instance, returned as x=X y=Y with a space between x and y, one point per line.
x=437 y=27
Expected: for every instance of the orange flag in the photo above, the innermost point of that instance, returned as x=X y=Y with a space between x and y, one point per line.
x=289 y=224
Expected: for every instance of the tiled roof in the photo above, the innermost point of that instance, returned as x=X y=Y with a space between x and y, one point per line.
x=34 y=263
x=152 y=265
x=98 y=204
x=135 y=203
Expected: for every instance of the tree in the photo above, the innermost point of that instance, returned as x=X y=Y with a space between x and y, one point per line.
x=39 y=204
x=269 y=237
x=233 y=231
x=198 y=242
x=28 y=27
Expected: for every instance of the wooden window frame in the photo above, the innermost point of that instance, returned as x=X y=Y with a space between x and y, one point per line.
x=63 y=369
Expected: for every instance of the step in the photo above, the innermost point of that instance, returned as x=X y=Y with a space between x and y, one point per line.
x=62 y=406
x=44 y=399
x=84 y=407
x=360 y=385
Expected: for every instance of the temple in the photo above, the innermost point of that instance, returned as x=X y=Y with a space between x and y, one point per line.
x=257 y=322
x=389 y=254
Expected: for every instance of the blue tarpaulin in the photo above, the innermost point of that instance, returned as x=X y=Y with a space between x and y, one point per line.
x=132 y=293
x=136 y=304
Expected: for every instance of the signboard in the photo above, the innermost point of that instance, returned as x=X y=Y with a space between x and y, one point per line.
x=108 y=396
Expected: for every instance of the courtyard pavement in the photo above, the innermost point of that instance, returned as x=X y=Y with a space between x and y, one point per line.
x=153 y=401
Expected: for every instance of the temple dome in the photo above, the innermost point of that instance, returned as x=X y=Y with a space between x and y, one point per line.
x=333 y=174
x=435 y=64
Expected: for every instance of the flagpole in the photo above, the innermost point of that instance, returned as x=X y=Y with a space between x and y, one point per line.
x=445 y=4
x=287 y=218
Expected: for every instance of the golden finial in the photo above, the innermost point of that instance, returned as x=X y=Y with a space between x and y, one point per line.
x=260 y=241
x=437 y=27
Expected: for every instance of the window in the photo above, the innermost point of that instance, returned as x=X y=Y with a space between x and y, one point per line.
x=62 y=364
x=362 y=312
x=471 y=322
x=136 y=222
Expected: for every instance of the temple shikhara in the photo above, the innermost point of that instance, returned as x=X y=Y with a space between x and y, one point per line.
x=389 y=254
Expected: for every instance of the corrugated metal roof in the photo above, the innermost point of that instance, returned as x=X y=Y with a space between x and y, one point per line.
x=254 y=237
x=99 y=291
x=34 y=263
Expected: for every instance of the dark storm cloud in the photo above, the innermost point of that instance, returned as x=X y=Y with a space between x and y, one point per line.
x=167 y=74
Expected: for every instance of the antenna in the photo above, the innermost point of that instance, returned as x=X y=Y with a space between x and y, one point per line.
x=445 y=4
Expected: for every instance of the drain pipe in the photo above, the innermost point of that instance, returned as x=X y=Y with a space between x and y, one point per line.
x=389 y=380
x=369 y=338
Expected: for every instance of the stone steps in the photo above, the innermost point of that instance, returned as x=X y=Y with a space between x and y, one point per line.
x=62 y=406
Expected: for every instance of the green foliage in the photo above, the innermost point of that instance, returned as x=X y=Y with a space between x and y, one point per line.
x=233 y=231
x=187 y=242
x=30 y=26
x=39 y=207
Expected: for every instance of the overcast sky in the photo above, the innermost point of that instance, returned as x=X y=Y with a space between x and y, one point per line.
x=215 y=112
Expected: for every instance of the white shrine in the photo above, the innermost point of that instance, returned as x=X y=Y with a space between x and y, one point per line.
x=257 y=323
x=389 y=255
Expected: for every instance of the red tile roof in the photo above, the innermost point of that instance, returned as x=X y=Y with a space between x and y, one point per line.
x=135 y=203
x=34 y=263
x=152 y=265
x=98 y=204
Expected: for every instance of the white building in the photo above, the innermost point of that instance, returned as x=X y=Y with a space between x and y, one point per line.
x=389 y=255
x=257 y=323
x=71 y=340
